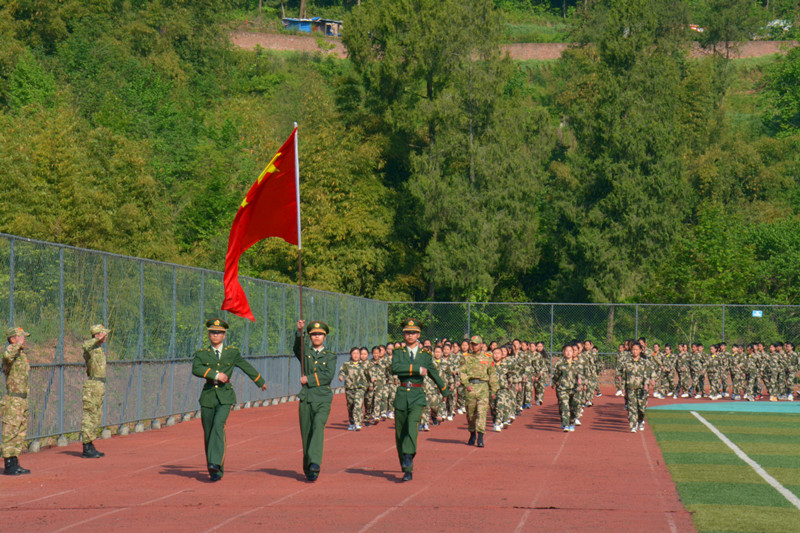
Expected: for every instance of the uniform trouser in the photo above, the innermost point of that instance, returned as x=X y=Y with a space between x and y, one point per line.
x=462 y=397
x=379 y=404
x=477 y=403
x=519 y=396
x=355 y=405
x=450 y=401
x=93 y=395
x=698 y=378
x=667 y=378
x=214 y=420
x=528 y=389
x=392 y=392
x=685 y=382
x=435 y=406
x=15 y=425
x=538 y=386
x=313 y=417
x=369 y=403
x=568 y=405
x=739 y=385
x=406 y=430
x=637 y=405
x=503 y=405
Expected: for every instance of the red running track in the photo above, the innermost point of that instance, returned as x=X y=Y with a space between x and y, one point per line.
x=530 y=477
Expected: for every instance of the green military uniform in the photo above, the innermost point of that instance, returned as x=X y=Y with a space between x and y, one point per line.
x=14 y=406
x=319 y=367
x=217 y=398
x=478 y=373
x=409 y=400
x=94 y=390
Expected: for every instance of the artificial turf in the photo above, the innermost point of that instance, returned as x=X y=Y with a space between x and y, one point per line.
x=721 y=491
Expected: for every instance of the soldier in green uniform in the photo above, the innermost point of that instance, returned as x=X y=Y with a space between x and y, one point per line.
x=318 y=366
x=215 y=364
x=94 y=389
x=480 y=381
x=411 y=364
x=14 y=407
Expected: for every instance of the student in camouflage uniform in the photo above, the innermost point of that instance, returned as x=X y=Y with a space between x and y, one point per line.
x=790 y=370
x=635 y=374
x=215 y=364
x=666 y=371
x=568 y=384
x=698 y=364
x=726 y=369
x=391 y=382
x=94 y=389
x=480 y=382
x=622 y=355
x=714 y=365
x=541 y=371
x=378 y=375
x=460 y=390
x=435 y=407
x=589 y=366
x=14 y=406
x=685 y=383
x=354 y=375
x=451 y=367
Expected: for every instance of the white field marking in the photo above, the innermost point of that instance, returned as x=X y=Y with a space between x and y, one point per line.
x=786 y=493
x=97 y=517
x=527 y=513
x=402 y=503
x=670 y=520
x=44 y=497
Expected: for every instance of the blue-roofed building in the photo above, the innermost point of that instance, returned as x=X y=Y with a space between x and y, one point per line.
x=329 y=27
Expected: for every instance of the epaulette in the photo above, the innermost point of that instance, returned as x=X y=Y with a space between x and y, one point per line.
x=423 y=349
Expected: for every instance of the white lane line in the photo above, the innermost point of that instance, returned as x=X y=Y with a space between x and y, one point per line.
x=527 y=513
x=786 y=493
x=670 y=519
x=97 y=517
x=45 y=497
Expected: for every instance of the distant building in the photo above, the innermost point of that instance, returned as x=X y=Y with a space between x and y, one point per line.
x=331 y=28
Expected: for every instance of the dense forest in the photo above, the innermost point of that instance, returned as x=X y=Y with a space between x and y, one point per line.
x=432 y=167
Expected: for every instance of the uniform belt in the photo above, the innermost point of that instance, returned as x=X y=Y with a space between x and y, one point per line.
x=101 y=380
x=23 y=395
x=212 y=382
x=475 y=381
x=409 y=384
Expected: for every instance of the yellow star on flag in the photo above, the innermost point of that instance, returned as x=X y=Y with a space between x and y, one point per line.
x=268 y=170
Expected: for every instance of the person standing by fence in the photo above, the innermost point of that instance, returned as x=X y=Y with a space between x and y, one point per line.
x=215 y=364
x=94 y=389
x=15 y=404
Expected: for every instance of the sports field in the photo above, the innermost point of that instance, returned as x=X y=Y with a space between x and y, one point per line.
x=531 y=477
x=724 y=491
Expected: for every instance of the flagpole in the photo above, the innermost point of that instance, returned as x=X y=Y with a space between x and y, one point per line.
x=299 y=246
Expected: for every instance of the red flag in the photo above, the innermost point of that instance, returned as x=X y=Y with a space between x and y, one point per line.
x=270 y=209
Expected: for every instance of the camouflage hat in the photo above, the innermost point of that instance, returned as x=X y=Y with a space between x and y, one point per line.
x=411 y=324
x=98 y=328
x=13 y=332
x=317 y=327
x=217 y=324
x=476 y=339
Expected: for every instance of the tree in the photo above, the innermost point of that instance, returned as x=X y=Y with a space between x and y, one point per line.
x=782 y=94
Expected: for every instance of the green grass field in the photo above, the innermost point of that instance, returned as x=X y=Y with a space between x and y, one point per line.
x=721 y=491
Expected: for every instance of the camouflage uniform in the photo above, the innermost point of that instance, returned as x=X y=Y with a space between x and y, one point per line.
x=478 y=373
x=354 y=374
x=622 y=357
x=448 y=375
x=461 y=392
x=667 y=373
x=697 y=367
x=433 y=396
x=94 y=389
x=589 y=368
x=503 y=404
x=635 y=374
x=15 y=404
x=566 y=375
x=714 y=366
x=683 y=365
x=526 y=360
x=541 y=371
x=379 y=375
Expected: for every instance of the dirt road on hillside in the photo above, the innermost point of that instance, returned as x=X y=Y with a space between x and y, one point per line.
x=522 y=51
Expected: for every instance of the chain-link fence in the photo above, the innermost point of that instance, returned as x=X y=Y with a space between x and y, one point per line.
x=607 y=325
x=156 y=312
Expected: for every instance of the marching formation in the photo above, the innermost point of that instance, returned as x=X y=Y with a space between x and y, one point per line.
x=422 y=384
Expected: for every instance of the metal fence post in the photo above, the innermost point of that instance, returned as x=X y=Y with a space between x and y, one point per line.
x=60 y=347
x=636 y=326
x=723 y=322
x=173 y=348
x=552 y=322
x=469 y=317
x=11 y=264
x=105 y=321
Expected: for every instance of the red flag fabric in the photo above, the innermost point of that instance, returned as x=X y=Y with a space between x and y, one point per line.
x=270 y=209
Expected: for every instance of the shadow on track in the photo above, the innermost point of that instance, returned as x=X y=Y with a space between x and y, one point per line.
x=185 y=471
x=391 y=475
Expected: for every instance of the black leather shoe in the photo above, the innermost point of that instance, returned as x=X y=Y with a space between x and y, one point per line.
x=216 y=476
x=480 y=440
x=312 y=476
x=90 y=452
x=214 y=468
x=407 y=476
x=472 y=437
x=313 y=467
x=20 y=470
x=407 y=462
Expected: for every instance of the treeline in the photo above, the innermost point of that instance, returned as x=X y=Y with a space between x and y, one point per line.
x=432 y=167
